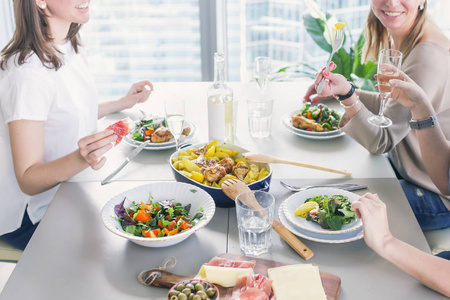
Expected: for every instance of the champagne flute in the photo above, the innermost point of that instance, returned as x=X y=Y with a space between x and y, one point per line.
x=175 y=118
x=261 y=71
x=389 y=60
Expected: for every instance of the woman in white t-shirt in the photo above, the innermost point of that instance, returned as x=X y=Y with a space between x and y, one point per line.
x=49 y=111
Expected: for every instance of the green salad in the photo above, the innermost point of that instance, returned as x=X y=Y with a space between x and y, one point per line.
x=328 y=118
x=332 y=213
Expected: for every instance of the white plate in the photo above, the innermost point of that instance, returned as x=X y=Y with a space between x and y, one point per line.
x=166 y=145
x=286 y=120
x=180 y=192
x=297 y=199
x=318 y=237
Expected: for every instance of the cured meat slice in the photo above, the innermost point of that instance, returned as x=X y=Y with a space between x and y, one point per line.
x=254 y=287
x=228 y=263
x=122 y=128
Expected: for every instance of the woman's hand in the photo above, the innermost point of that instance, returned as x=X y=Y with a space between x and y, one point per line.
x=408 y=93
x=333 y=81
x=92 y=147
x=138 y=93
x=373 y=213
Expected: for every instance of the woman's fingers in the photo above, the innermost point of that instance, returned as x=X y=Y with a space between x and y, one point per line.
x=92 y=147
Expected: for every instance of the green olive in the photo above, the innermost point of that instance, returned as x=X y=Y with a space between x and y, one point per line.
x=197 y=297
x=186 y=291
x=190 y=286
x=173 y=293
x=182 y=296
x=191 y=295
x=173 y=297
x=194 y=282
x=210 y=292
x=180 y=287
x=202 y=294
x=199 y=287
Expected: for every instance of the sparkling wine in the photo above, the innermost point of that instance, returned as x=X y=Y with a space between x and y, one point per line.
x=175 y=123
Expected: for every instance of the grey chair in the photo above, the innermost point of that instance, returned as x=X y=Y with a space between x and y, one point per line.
x=8 y=253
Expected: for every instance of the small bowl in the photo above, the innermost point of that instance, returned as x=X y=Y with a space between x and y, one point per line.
x=181 y=192
x=206 y=285
x=217 y=194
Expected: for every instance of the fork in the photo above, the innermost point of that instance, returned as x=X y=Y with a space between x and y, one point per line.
x=344 y=186
x=338 y=39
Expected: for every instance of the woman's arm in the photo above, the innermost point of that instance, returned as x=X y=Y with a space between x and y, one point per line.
x=434 y=147
x=138 y=93
x=432 y=271
x=33 y=174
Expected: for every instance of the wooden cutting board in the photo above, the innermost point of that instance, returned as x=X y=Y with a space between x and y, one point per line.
x=331 y=283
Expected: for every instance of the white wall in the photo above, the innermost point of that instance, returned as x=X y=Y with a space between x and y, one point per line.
x=6 y=22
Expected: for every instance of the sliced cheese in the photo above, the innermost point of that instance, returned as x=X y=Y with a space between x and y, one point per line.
x=226 y=277
x=297 y=282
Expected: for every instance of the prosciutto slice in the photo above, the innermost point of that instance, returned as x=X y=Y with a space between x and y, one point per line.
x=252 y=287
x=228 y=263
x=122 y=128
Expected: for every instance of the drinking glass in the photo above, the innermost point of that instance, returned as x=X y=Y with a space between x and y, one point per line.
x=254 y=211
x=175 y=118
x=261 y=71
x=389 y=60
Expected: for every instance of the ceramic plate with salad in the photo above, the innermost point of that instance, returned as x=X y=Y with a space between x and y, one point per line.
x=323 y=210
x=158 y=214
x=314 y=121
x=155 y=129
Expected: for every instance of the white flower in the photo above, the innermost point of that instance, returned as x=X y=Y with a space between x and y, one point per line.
x=328 y=33
x=314 y=10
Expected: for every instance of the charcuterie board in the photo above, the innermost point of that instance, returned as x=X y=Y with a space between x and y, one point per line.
x=331 y=283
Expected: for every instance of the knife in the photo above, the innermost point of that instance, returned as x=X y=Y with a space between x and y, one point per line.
x=127 y=160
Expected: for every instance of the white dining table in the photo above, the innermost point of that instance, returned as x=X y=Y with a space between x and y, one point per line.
x=73 y=256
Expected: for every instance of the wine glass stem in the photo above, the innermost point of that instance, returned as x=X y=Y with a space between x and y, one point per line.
x=382 y=103
x=176 y=144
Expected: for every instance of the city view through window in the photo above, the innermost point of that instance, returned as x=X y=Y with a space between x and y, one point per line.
x=167 y=40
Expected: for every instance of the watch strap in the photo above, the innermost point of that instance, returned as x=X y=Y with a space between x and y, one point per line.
x=348 y=95
x=431 y=121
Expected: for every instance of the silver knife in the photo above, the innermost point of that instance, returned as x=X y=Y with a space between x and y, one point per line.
x=127 y=160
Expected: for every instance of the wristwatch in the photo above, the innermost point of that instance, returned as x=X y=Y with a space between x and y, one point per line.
x=348 y=95
x=431 y=121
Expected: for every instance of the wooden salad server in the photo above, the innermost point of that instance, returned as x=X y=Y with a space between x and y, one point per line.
x=263 y=158
x=234 y=187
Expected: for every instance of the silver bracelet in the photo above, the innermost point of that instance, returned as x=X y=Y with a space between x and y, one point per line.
x=350 y=106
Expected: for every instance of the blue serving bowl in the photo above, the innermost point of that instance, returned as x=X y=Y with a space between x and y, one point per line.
x=217 y=194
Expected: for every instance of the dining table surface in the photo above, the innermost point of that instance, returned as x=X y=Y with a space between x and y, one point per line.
x=73 y=256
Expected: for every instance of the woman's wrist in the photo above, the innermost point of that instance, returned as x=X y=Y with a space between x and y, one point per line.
x=422 y=111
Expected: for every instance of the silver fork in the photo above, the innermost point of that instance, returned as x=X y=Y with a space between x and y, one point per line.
x=338 y=39
x=344 y=186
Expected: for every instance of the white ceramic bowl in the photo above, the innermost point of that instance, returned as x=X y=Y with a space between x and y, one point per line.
x=297 y=199
x=181 y=192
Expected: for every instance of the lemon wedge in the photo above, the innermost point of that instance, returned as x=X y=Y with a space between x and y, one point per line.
x=339 y=25
x=305 y=208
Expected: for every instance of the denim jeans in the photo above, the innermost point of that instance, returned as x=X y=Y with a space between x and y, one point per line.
x=430 y=212
x=20 y=237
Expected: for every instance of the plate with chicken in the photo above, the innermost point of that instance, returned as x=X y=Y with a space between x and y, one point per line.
x=156 y=130
x=314 y=122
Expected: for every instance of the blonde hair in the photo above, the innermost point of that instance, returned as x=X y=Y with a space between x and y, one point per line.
x=377 y=36
x=32 y=34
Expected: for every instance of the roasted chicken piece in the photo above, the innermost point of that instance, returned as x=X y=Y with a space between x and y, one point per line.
x=200 y=161
x=161 y=135
x=211 y=162
x=301 y=122
x=214 y=173
x=186 y=131
x=200 y=151
x=240 y=170
x=227 y=163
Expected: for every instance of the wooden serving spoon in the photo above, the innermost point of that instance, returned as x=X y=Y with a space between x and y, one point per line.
x=234 y=187
x=263 y=158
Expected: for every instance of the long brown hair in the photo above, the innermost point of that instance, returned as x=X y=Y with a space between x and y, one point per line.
x=32 y=34
x=377 y=36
